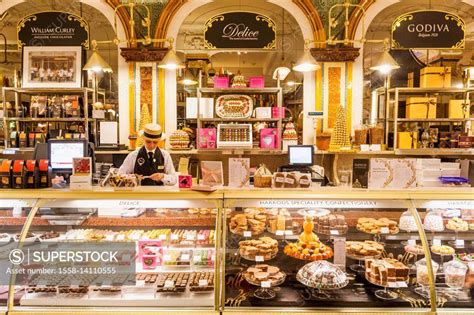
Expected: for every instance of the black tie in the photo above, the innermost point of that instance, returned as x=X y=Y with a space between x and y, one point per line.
x=150 y=157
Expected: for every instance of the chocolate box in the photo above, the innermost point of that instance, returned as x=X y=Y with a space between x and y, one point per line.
x=19 y=174
x=466 y=142
x=43 y=173
x=207 y=138
x=421 y=107
x=6 y=174
x=31 y=174
x=407 y=140
x=435 y=77
x=458 y=109
x=22 y=140
x=71 y=105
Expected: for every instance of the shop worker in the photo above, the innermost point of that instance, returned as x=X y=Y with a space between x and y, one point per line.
x=152 y=163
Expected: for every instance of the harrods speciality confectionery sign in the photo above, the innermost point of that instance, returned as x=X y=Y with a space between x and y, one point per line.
x=428 y=29
x=53 y=28
x=240 y=30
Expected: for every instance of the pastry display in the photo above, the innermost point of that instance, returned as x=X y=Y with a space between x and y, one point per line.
x=175 y=282
x=259 y=273
x=457 y=224
x=80 y=289
x=332 y=222
x=253 y=220
x=107 y=289
x=465 y=258
x=201 y=282
x=414 y=249
x=362 y=250
x=49 y=236
x=149 y=278
x=322 y=275
x=179 y=140
x=375 y=226
x=157 y=234
x=41 y=289
x=308 y=246
x=177 y=257
x=117 y=180
x=383 y=271
x=442 y=250
x=204 y=257
x=234 y=106
x=433 y=222
x=265 y=247
x=407 y=222
x=279 y=220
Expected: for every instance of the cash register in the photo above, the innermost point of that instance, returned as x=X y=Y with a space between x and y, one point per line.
x=301 y=159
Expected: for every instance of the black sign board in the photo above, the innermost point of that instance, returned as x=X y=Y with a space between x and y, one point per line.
x=428 y=30
x=240 y=30
x=53 y=28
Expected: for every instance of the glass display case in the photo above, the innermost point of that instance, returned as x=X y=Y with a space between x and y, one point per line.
x=335 y=251
x=165 y=244
x=449 y=228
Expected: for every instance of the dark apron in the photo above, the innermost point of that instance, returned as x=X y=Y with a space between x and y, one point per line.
x=145 y=167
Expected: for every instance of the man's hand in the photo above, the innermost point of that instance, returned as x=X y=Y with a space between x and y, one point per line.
x=157 y=177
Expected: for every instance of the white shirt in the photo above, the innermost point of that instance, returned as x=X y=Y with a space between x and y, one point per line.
x=169 y=178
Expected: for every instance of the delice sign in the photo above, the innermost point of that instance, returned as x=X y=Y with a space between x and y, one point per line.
x=240 y=30
x=428 y=30
x=53 y=28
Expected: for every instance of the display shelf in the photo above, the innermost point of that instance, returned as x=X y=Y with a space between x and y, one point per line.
x=435 y=151
x=269 y=90
x=51 y=90
x=433 y=119
x=48 y=119
x=240 y=119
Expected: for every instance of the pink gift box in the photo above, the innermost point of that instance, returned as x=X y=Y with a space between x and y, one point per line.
x=207 y=138
x=221 y=82
x=278 y=112
x=150 y=253
x=257 y=82
x=269 y=138
x=185 y=181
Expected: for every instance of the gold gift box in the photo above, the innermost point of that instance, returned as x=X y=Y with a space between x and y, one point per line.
x=435 y=77
x=458 y=109
x=407 y=140
x=421 y=107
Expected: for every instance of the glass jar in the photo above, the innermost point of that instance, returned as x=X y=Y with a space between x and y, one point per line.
x=434 y=221
x=455 y=274
x=407 y=222
x=422 y=272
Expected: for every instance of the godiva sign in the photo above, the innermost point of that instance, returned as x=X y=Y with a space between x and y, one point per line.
x=240 y=30
x=429 y=29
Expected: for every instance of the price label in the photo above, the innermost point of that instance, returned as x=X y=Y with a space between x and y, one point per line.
x=109 y=237
x=265 y=284
x=197 y=259
x=459 y=243
x=190 y=237
x=185 y=257
x=392 y=284
x=412 y=242
x=384 y=230
x=365 y=147
x=402 y=284
x=201 y=237
x=162 y=237
x=247 y=234
x=169 y=284
x=174 y=237
x=280 y=233
x=203 y=283
x=259 y=258
x=140 y=283
x=436 y=242
x=288 y=232
x=334 y=232
x=121 y=237
x=167 y=257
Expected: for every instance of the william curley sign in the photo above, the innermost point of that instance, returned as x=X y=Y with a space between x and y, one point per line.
x=240 y=30
x=428 y=30
x=53 y=28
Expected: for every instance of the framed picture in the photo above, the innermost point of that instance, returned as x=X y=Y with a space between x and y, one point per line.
x=52 y=67
x=82 y=166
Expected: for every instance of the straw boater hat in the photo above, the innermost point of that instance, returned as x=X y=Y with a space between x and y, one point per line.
x=152 y=132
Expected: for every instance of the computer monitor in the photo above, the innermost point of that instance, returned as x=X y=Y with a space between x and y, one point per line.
x=300 y=155
x=61 y=152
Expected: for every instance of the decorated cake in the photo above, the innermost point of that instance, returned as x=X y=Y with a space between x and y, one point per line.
x=179 y=140
x=322 y=275
x=383 y=271
x=331 y=222
x=290 y=132
x=308 y=246
x=262 y=272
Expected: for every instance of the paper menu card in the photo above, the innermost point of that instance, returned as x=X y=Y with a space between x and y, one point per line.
x=239 y=172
